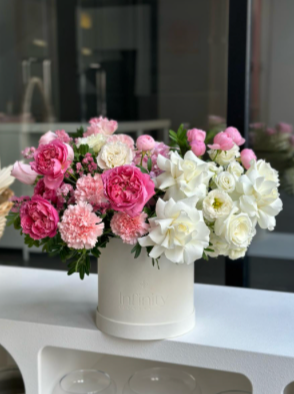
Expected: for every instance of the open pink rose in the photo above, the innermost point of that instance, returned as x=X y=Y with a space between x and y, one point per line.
x=235 y=135
x=246 y=156
x=24 y=173
x=145 y=142
x=196 y=135
x=52 y=160
x=101 y=126
x=38 y=218
x=222 y=141
x=198 y=147
x=127 y=189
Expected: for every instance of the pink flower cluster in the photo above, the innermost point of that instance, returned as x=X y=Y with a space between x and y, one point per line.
x=225 y=140
x=129 y=228
x=90 y=189
x=196 y=139
x=159 y=149
x=101 y=126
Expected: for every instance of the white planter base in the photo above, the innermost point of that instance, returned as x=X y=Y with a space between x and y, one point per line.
x=141 y=302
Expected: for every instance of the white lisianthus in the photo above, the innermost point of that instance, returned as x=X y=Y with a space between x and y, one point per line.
x=224 y=157
x=237 y=229
x=259 y=196
x=225 y=181
x=235 y=169
x=94 y=141
x=114 y=154
x=183 y=178
x=216 y=204
x=178 y=231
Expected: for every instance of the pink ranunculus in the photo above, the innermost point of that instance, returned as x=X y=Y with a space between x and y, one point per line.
x=196 y=135
x=52 y=160
x=24 y=173
x=246 y=156
x=124 y=138
x=127 y=189
x=42 y=190
x=128 y=228
x=284 y=128
x=145 y=142
x=235 y=135
x=47 y=138
x=198 y=147
x=38 y=218
x=101 y=125
x=222 y=142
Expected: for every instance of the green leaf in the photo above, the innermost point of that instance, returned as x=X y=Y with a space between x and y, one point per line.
x=204 y=256
x=142 y=169
x=78 y=134
x=137 y=250
x=16 y=223
x=149 y=164
x=173 y=134
x=83 y=149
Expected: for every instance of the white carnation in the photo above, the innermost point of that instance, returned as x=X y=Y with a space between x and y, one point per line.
x=178 y=231
x=259 y=196
x=183 y=178
x=235 y=169
x=114 y=154
x=225 y=181
x=94 y=141
x=224 y=157
x=217 y=204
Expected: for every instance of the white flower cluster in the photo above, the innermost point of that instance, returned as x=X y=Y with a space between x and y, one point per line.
x=211 y=207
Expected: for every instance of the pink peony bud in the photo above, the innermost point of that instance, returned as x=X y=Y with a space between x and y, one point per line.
x=196 y=135
x=234 y=133
x=198 y=147
x=222 y=141
x=145 y=142
x=24 y=173
x=246 y=156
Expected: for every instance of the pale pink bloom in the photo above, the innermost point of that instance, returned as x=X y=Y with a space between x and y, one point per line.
x=198 y=147
x=128 y=228
x=124 y=138
x=80 y=227
x=235 y=135
x=145 y=142
x=127 y=189
x=24 y=173
x=247 y=155
x=47 y=138
x=222 y=142
x=196 y=135
x=90 y=189
x=63 y=136
x=28 y=153
x=38 y=218
x=270 y=131
x=285 y=128
x=101 y=125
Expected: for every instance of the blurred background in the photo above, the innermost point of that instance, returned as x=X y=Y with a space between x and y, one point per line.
x=151 y=65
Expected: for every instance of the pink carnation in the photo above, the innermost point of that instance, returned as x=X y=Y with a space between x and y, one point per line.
x=38 y=218
x=101 y=126
x=124 y=138
x=90 y=189
x=128 y=228
x=80 y=227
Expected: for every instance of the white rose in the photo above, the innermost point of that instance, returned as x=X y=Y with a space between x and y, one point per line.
x=224 y=158
x=237 y=229
x=217 y=204
x=213 y=167
x=225 y=181
x=235 y=169
x=259 y=196
x=114 y=154
x=94 y=141
x=178 y=231
x=183 y=178
x=235 y=254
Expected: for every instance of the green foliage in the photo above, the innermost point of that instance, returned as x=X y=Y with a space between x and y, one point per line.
x=143 y=169
x=149 y=164
x=78 y=134
x=179 y=139
x=137 y=250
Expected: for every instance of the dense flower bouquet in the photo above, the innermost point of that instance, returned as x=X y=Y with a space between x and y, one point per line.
x=96 y=185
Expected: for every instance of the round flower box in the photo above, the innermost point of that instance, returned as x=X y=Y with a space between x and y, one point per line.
x=139 y=301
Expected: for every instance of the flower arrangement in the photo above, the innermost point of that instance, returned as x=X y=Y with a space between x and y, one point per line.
x=186 y=201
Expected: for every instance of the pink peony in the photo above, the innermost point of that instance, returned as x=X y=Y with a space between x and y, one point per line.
x=24 y=173
x=42 y=190
x=196 y=135
x=38 y=218
x=101 y=125
x=235 y=135
x=145 y=142
x=198 y=147
x=52 y=160
x=90 y=189
x=246 y=156
x=124 y=138
x=80 y=227
x=128 y=228
x=284 y=128
x=222 y=142
x=127 y=189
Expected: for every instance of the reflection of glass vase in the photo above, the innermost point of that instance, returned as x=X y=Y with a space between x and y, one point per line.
x=161 y=381
x=88 y=381
x=11 y=381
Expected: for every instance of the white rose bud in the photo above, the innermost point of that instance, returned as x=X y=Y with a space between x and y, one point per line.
x=226 y=182
x=225 y=157
x=217 y=204
x=114 y=154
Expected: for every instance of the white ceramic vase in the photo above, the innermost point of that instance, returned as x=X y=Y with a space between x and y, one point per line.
x=138 y=301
